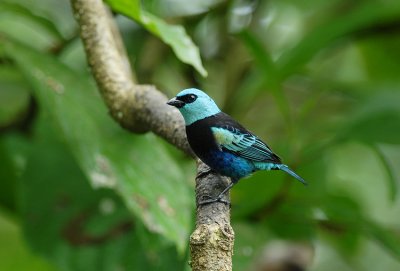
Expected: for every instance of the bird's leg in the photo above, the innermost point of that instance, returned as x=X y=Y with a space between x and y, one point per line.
x=219 y=197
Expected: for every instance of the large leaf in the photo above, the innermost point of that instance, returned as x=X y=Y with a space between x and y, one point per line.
x=173 y=35
x=137 y=167
x=90 y=229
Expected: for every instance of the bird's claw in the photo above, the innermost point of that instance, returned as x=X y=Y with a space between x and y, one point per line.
x=217 y=199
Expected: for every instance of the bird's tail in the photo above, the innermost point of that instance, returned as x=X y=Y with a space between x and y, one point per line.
x=286 y=169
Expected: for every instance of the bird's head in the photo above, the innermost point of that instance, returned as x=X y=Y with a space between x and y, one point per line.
x=194 y=105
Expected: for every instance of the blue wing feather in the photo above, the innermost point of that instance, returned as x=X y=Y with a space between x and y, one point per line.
x=244 y=144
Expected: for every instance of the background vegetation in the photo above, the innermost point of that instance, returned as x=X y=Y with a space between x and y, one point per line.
x=318 y=80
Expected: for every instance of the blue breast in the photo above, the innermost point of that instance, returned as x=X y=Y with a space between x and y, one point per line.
x=228 y=164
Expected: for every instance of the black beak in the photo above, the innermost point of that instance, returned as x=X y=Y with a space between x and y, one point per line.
x=176 y=103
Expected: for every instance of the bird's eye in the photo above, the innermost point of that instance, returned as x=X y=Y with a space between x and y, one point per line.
x=189 y=98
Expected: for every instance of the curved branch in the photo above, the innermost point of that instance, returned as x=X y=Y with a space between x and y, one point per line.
x=142 y=108
x=138 y=108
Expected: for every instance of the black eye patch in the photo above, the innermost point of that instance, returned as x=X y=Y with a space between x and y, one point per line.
x=188 y=98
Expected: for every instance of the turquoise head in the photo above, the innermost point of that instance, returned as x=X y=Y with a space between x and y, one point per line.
x=194 y=105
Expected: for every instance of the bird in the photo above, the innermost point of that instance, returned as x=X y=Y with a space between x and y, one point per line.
x=222 y=143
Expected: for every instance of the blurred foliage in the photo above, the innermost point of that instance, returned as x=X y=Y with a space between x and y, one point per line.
x=318 y=80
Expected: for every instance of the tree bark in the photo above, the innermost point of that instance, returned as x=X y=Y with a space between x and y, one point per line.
x=142 y=108
x=211 y=243
x=138 y=108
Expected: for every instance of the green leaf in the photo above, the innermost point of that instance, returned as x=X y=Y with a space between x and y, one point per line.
x=8 y=184
x=20 y=23
x=380 y=56
x=375 y=120
x=90 y=229
x=55 y=16
x=341 y=219
x=385 y=237
x=153 y=189
x=392 y=181
x=292 y=220
x=180 y=7
x=14 y=97
x=173 y=35
x=351 y=23
x=14 y=253
x=346 y=222
x=264 y=60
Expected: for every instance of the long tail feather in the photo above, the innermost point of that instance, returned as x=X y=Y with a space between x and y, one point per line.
x=286 y=169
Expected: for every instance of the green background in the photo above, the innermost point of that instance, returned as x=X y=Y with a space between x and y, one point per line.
x=318 y=80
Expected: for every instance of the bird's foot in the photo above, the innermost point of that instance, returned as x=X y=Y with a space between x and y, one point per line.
x=217 y=199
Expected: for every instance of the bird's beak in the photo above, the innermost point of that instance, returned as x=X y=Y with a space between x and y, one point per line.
x=175 y=102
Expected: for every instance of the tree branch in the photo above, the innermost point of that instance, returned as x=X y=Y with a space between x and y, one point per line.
x=142 y=108
x=211 y=243
x=138 y=108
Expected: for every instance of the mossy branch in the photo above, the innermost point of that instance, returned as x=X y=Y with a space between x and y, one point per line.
x=142 y=108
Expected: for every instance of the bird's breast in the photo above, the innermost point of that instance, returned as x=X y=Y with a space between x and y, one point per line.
x=200 y=138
